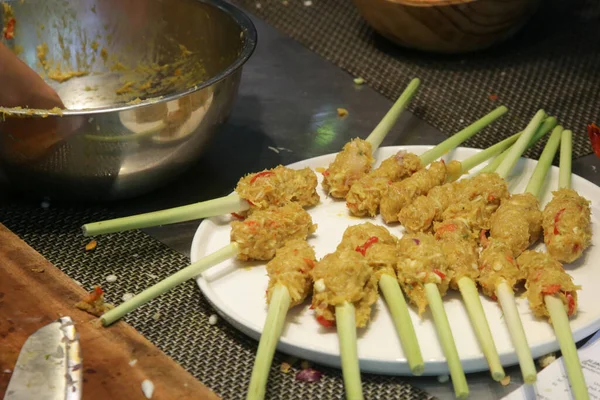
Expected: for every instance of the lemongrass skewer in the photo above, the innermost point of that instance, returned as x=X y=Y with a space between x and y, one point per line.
x=193 y=270
x=560 y=322
x=459 y=381
x=566 y=149
x=504 y=292
x=472 y=301
x=455 y=140
x=558 y=315
x=278 y=307
x=220 y=206
x=345 y=317
x=548 y=124
x=388 y=121
x=396 y=303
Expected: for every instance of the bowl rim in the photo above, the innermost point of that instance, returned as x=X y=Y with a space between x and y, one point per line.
x=250 y=37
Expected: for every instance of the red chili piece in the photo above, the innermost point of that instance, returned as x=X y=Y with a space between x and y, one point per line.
x=594 y=134
x=325 y=322
x=309 y=262
x=550 y=289
x=556 y=219
x=260 y=175
x=362 y=249
x=238 y=216
x=439 y=273
x=9 y=31
x=571 y=303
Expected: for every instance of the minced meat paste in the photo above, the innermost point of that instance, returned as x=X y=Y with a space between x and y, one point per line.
x=365 y=194
x=264 y=231
x=546 y=276
x=291 y=267
x=350 y=165
x=567 y=225
x=278 y=186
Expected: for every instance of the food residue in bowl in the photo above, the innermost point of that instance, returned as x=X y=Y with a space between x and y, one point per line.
x=8 y=21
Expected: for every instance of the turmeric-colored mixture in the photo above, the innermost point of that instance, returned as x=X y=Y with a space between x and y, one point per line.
x=264 y=231
x=349 y=166
x=344 y=276
x=421 y=260
x=546 y=276
x=400 y=194
x=365 y=194
x=279 y=186
x=291 y=267
x=567 y=225
x=517 y=222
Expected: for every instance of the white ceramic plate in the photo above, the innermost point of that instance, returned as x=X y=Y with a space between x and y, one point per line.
x=237 y=291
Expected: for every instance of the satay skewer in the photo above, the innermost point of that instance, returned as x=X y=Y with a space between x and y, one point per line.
x=424 y=276
x=256 y=238
x=552 y=293
x=367 y=192
x=555 y=307
x=345 y=288
x=424 y=211
x=499 y=273
x=379 y=247
x=356 y=157
x=289 y=285
x=566 y=218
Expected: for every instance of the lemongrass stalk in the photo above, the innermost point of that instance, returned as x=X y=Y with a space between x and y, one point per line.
x=560 y=322
x=506 y=297
x=461 y=389
x=169 y=283
x=470 y=295
x=519 y=147
x=204 y=209
x=538 y=176
x=566 y=148
x=278 y=308
x=455 y=140
x=546 y=127
x=404 y=327
x=388 y=121
x=488 y=153
x=345 y=319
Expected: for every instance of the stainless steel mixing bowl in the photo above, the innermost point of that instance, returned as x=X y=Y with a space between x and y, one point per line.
x=146 y=84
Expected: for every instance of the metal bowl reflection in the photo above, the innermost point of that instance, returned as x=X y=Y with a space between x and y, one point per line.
x=146 y=84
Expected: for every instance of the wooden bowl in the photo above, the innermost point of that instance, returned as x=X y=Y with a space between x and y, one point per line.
x=447 y=26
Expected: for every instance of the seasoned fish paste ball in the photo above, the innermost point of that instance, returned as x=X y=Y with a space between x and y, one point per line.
x=365 y=195
x=546 y=276
x=279 y=186
x=264 y=231
x=344 y=276
x=291 y=267
x=421 y=260
x=567 y=225
x=350 y=165
x=518 y=222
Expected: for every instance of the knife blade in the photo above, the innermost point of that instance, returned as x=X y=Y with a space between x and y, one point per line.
x=49 y=366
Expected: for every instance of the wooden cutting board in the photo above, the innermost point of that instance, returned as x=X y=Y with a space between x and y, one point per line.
x=34 y=293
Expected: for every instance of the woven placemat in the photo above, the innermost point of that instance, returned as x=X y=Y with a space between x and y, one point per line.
x=219 y=356
x=553 y=63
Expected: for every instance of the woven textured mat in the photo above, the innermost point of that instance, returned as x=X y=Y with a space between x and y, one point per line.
x=553 y=63
x=177 y=322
